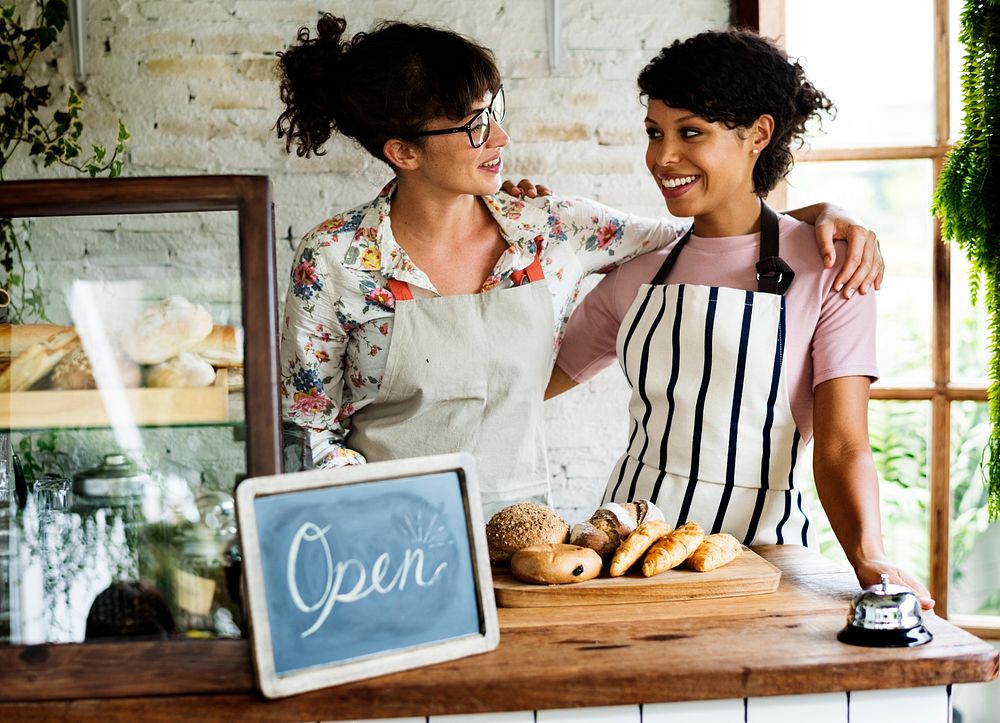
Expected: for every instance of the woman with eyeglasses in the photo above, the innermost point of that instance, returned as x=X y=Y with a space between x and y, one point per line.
x=426 y=320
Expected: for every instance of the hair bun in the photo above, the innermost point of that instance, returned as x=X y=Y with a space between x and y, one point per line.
x=330 y=27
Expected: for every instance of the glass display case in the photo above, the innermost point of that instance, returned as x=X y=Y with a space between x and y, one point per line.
x=138 y=386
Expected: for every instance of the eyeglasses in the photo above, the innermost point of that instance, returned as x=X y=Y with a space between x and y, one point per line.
x=478 y=129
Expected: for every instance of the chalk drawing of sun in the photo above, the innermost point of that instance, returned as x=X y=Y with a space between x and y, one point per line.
x=424 y=527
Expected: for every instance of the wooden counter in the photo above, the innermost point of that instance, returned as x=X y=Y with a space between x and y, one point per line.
x=763 y=645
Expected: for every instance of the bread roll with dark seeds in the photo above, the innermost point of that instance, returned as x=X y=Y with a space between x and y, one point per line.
x=555 y=564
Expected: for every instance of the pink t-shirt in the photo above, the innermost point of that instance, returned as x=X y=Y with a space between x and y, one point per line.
x=828 y=336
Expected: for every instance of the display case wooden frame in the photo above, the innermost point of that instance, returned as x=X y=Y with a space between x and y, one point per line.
x=116 y=669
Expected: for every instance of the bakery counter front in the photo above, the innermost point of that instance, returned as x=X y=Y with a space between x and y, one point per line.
x=763 y=657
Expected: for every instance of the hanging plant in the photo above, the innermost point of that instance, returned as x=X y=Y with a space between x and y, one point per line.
x=50 y=135
x=968 y=196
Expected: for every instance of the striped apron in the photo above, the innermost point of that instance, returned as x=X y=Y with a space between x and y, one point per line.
x=712 y=438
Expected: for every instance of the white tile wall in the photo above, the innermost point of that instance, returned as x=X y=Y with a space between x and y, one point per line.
x=695 y=711
x=914 y=705
x=819 y=708
x=606 y=714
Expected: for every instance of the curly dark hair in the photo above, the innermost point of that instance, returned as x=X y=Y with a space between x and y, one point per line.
x=381 y=84
x=734 y=77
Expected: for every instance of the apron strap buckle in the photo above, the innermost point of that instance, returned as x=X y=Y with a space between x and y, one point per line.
x=774 y=276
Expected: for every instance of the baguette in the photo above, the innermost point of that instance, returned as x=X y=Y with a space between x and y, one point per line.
x=715 y=551
x=15 y=338
x=223 y=347
x=672 y=549
x=37 y=360
x=635 y=545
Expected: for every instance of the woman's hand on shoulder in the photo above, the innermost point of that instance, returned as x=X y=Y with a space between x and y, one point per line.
x=869 y=573
x=864 y=266
x=526 y=188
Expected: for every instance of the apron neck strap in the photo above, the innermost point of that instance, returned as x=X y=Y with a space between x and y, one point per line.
x=774 y=276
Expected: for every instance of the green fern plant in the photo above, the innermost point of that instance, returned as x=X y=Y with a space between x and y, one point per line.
x=968 y=196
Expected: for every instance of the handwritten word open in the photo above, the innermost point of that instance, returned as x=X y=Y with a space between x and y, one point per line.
x=412 y=566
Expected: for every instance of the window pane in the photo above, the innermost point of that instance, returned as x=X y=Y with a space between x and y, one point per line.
x=879 y=73
x=899 y=432
x=969 y=325
x=956 y=54
x=975 y=545
x=893 y=197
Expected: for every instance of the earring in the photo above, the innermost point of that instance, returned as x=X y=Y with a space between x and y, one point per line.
x=756 y=151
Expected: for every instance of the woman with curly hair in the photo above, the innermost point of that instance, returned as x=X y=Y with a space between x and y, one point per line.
x=425 y=321
x=737 y=350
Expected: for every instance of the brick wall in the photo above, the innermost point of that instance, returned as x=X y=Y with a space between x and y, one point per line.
x=192 y=80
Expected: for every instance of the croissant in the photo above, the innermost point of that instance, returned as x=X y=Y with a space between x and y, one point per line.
x=672 y=549
x=715 y=551
x=636 y=544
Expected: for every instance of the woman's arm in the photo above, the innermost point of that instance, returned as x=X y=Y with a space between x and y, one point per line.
x=559 y=382
x=313 y=360
x=847 y=481
x=862 y=269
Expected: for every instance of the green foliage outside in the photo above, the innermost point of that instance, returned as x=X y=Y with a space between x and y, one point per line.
x=30 y=120
x=968 y=194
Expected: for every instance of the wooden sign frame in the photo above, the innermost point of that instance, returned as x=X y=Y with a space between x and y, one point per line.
x=274 y=683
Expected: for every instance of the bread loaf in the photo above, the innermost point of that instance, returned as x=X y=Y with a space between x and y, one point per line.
x=715 y=551
x=15 y=338
x=223 y=347
x=166 y=329
x=672 y=549
x=522 y=525
x=555 y=564
x=37 y=360
x=611 y=523
x=635 y=545
x=184 y=370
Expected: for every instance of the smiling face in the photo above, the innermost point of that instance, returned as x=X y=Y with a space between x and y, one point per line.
x=450 y=163
x=703 y=169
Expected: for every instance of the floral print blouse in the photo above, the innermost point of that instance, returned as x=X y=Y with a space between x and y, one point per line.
x=338 y=314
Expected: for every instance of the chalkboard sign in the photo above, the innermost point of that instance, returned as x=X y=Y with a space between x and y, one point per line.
x=365 y=570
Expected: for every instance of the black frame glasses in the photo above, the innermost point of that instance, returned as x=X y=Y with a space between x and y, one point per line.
x=483 y=119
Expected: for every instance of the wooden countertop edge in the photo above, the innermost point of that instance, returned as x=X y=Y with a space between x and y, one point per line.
x=471 y=696
x=764 y=650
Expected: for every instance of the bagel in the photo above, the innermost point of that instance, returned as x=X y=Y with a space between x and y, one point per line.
x=555 y=564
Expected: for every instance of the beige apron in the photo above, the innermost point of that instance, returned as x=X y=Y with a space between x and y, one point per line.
x=468 y=373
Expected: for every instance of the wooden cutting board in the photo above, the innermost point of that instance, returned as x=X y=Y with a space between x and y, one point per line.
x=748 y=574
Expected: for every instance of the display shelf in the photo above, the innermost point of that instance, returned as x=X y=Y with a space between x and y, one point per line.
x=143 y=407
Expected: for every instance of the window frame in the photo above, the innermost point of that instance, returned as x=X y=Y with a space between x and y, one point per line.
x=768 y=18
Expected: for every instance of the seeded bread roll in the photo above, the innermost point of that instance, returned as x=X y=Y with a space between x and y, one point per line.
x=522 y=525
x=76 y=372
x=555 y=564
